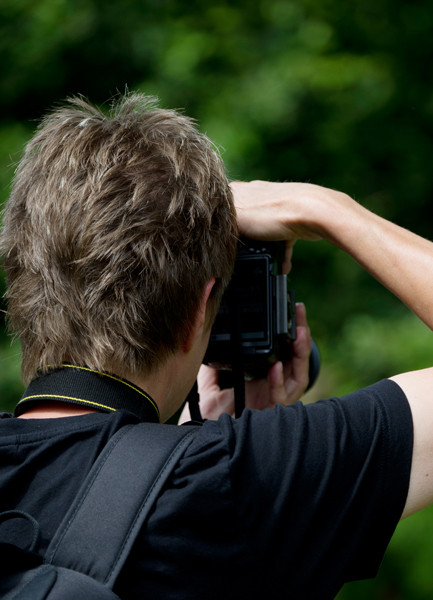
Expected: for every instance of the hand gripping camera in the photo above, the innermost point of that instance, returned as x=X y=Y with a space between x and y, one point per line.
x=256 y=323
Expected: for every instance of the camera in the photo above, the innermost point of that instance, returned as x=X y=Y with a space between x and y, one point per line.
x=256 y=322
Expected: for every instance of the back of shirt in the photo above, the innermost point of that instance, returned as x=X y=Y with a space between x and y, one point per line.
x=284 y=503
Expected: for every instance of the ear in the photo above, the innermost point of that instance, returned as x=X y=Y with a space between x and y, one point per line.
x=199 y=322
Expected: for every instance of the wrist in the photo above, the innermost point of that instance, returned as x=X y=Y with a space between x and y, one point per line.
x=337 y=218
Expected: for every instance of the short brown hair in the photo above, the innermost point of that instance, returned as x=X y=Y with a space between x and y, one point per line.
x=113 y=227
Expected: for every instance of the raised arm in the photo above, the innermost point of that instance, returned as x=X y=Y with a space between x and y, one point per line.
x=399 y=259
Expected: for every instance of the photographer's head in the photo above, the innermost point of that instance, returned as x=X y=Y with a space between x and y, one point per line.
x=113 y=228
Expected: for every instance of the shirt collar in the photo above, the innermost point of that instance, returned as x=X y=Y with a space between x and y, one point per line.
x=75 y=384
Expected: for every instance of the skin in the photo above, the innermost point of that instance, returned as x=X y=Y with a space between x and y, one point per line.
x=399 y=259
x=284 y=384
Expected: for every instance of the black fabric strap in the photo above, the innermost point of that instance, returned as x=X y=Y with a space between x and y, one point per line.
x=75 y=384
x=99 y=530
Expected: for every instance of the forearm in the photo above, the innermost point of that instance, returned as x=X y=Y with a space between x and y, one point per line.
x=399 y=259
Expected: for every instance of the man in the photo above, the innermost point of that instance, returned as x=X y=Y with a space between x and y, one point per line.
x=119 y=238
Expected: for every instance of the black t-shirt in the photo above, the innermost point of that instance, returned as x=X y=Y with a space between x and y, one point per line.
x=284 y=503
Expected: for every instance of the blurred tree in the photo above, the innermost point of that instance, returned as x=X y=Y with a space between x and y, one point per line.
x=319 y=90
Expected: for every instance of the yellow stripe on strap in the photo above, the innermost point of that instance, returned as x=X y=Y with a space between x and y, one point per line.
x=133 y=387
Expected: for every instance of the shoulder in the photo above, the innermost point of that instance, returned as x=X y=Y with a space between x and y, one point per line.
x=373 y=421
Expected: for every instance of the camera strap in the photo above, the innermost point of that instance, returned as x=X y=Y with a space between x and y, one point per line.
x=79 y=385
x=237 y=362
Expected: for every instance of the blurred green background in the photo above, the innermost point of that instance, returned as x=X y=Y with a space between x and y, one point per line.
x=336 y=93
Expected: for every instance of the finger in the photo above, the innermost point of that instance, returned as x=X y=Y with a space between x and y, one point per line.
x=301 y=314
x=277 y=388
x=302 y=346
x=207 y=378
x=213 y=400
x=297 y=370
x=287 y=261
x=217 y=404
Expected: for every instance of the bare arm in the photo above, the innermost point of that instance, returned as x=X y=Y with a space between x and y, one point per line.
x=399 y=259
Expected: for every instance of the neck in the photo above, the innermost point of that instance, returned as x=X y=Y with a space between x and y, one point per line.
x=52 y=411
x=169 y=385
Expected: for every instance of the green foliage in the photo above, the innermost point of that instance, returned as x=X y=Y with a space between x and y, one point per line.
x=337 y=93
x=369 y=348
x=11 y=387
x=406 y=568
x=13 y=136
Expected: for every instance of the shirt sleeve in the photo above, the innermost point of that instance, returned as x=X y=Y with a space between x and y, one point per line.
x=322 y=486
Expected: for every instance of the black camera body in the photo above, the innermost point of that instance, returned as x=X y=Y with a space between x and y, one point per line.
x=256 y=323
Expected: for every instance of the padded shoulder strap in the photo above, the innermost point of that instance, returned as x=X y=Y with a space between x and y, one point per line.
x=100 y=527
